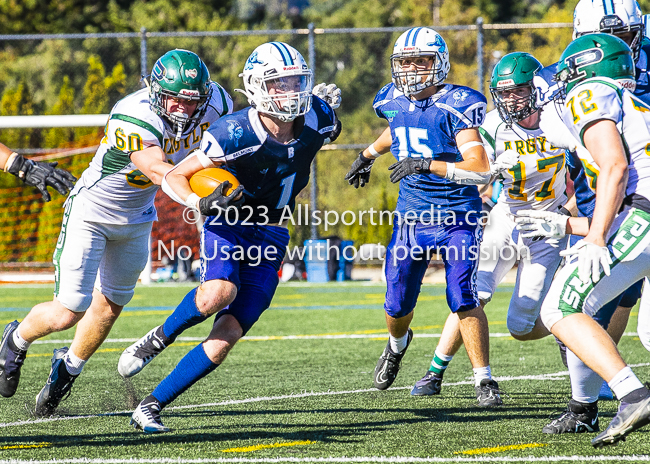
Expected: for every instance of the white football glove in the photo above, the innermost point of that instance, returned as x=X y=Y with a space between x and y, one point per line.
x=331 y=94
x=504 y=161
x=555 y=131
x=545 y=224
x=591 y=258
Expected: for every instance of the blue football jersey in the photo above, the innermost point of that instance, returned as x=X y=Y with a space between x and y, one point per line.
x=428 y=129
x=547 y=89
x=271 y=172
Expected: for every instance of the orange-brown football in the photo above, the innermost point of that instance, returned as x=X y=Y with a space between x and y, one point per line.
x=206 y=180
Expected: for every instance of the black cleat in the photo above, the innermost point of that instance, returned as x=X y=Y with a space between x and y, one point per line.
x=11 y=360
x=58 y=386
x=630 y=417
x=488 y=394
x=388 y=364
x=428 y=385
x=578 y=418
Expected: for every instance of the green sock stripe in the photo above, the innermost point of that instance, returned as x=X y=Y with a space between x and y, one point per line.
x=438 y=365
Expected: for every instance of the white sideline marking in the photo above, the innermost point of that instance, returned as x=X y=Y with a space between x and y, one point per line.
x=286 y=337
x=405 y=459
x=552 y=376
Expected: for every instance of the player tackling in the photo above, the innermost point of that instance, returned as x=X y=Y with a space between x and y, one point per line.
x=108 y=217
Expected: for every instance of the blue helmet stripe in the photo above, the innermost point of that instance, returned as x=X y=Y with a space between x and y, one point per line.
x=415 y=36
x=608 y=6
x=286 y=56
x=408 y=35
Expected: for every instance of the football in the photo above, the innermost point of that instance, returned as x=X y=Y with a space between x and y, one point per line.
x=206 y=180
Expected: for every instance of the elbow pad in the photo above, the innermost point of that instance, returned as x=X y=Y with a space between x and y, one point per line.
x=464 y=177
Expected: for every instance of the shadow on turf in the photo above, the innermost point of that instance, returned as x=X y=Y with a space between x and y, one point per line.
x=280 y=430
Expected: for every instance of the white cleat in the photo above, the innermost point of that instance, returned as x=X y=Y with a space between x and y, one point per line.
x=147 y=417
x=141 y=353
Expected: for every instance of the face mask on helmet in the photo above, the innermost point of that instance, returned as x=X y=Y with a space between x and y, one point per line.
x=514 y=103
x=621 y=18
x=511 y=86
x=277 y=81
x=420 y=60
x=180 y=90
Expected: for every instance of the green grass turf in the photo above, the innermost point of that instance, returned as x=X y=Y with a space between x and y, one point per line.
x=360 y=423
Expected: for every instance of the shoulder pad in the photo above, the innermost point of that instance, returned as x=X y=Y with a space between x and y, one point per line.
x=385 y=95
x=461 y=97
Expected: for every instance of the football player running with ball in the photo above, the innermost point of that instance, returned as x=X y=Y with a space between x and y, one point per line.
x=269 y=147
x=433 y=133
x=533 y=174
x=612 y=124
x=108 y=217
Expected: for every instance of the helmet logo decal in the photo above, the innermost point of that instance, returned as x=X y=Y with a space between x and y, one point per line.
x=506 y=83
x=442 y=48
x=191 y=73
x=575 y=62
x=235 y=131
x=252 y=60
x=158 y=70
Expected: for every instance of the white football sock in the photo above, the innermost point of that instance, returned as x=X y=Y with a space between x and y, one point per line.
x=624 y=382
x=481 y=373
x=73 y=364
x=397 y=345
x=19 y=341
x=585 y=383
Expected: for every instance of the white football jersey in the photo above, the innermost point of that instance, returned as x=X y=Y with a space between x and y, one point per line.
x=538 y=180
x=113 y=188
x=603 y=98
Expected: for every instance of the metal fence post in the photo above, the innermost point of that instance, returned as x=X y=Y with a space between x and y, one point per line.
x=313 y=194
x=143 y=53
x=479 y=53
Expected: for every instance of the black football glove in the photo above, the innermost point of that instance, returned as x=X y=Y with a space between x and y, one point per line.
x=359 y=174
x=408 y=166
x=41 y=175
x=336 y=131
x=217 y=202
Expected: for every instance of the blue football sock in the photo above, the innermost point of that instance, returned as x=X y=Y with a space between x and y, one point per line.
x=185 y=315
x=192 y=368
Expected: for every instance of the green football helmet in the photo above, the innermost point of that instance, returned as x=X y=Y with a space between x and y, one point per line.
x=592 y=55
x=513 y=75
x=180 y=74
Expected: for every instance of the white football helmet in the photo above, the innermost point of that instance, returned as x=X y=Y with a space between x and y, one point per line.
x=416 y=42
x=611 y=17
x=277 y=81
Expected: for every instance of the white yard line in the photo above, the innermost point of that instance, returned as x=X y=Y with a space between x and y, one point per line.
x=286 y=337
x=552 y=376
x=351 y=459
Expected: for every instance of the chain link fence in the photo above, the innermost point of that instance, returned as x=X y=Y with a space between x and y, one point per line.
x=87 y=73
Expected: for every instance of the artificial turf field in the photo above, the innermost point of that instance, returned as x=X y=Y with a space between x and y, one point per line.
x=298 y=388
